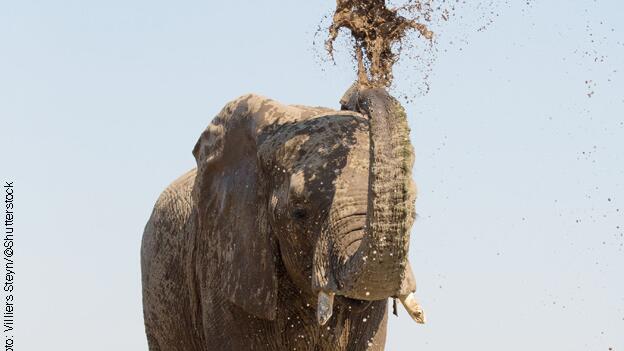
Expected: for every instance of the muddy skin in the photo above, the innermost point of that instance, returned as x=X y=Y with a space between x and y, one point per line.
x=257 y=248
x=376 y=29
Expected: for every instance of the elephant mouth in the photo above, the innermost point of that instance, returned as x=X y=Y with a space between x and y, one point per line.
x=353 y=230
x=352 y=304
x=325 y=306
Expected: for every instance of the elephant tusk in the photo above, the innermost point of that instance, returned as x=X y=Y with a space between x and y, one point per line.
x=413 y=308
x=325 y=307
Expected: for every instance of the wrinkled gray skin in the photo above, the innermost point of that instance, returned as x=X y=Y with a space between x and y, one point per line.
x=288 y=205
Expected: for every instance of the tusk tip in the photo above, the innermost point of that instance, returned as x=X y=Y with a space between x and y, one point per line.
x=414 y=309
x=322 y=320
x=325 y=307
x=419 y=317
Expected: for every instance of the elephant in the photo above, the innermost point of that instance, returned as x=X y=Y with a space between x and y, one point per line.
x=290 y=234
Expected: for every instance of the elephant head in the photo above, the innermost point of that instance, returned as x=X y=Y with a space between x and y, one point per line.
x=327 y=195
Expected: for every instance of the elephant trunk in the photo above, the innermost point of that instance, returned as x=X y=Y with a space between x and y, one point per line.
x=379 y=269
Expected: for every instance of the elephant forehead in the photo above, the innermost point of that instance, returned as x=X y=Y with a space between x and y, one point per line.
x=292 y=148
x=324 y=132
x=315 y=162
x=321 y=149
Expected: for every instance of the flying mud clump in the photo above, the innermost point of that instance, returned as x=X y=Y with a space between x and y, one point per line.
x=377 y=32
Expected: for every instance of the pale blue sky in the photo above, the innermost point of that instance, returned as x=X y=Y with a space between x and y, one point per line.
x=519 y=241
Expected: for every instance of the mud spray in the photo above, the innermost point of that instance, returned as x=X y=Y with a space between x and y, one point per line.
x=377 y=33
x=380 y=32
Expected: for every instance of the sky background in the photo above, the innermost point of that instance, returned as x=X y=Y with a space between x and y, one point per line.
x=519 y=240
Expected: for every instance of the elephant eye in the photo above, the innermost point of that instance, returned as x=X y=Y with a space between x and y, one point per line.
x=299 y=214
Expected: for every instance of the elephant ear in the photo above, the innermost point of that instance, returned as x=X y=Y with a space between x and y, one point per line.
x=231 y=205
